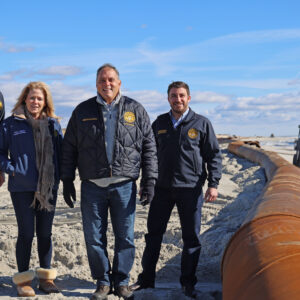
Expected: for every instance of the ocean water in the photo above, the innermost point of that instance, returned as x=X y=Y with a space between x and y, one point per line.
x=280 y=142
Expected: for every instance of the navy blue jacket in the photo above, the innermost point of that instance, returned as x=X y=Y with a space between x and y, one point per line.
x=188 y=154
x=17 y=153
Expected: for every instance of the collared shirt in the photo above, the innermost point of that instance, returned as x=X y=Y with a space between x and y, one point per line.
x=177 y=122
x=110 y=117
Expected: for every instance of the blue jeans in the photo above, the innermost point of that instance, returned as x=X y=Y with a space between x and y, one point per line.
x=29 y=218
x=120 y=199
x=189 y=205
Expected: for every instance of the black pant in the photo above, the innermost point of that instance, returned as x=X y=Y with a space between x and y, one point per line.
x=189 y=204
x=28 y=218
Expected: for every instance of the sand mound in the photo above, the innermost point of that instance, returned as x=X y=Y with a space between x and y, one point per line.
x=241 y=183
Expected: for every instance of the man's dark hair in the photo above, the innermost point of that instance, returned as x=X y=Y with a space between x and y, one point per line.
x=107 y=65
x=177 y=85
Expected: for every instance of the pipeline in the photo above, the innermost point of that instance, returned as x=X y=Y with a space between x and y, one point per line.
x=262 y=259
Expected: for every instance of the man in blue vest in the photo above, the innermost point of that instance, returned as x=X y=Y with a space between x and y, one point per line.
x=188 y=155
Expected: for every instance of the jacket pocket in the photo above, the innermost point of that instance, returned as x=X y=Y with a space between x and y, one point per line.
x=196 y=163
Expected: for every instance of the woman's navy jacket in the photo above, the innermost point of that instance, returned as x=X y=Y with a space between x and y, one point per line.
x=17 y=153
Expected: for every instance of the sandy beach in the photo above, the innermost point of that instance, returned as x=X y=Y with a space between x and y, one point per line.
x=241 y=183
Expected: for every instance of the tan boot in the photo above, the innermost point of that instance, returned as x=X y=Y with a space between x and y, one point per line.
x=23 y=282
x=46 y=283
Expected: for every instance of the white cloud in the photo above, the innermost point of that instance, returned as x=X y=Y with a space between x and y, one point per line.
x=55 y=72
x=11 y=91
x=274 y=112
x=6 y=76
x=149 y=98
x=11 y=75
x=164 y=61
x=10 y=48
x=187 y=59
x=259 y=36
x=209 y=97
x=267 y=83
x=59 y=71
x=69 y=95
x=269 y=109
x=168 y=61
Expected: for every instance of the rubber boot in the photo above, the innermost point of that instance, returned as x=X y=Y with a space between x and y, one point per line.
x=23 y=282
x=46 y=283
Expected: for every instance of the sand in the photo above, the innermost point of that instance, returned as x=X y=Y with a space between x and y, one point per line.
x=241 y=183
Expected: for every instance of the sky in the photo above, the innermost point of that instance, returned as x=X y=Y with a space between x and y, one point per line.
x=241 y=59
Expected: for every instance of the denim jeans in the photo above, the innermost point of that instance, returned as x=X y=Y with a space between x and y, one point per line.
x=120 y=200
x=29 y=218
x=189 y=205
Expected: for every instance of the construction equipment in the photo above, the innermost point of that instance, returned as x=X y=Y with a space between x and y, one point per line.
x=262 y=259
x=296 y=157
x=2 y=109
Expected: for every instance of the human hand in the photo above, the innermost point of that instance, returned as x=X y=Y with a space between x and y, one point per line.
x=69 y=192
x=147 y=192
x=211 y=194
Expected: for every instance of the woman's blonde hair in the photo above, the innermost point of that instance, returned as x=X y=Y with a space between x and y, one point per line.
x=49 y=106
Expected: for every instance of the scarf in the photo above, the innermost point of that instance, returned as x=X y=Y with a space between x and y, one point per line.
x=44 y=160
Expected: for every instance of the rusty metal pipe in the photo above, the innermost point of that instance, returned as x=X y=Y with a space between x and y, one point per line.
x=262 y=259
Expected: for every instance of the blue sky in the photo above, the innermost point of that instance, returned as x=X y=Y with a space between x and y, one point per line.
x=241 y=59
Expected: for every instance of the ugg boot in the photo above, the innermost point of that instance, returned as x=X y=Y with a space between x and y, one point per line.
x=23 y=282
x=46 y=283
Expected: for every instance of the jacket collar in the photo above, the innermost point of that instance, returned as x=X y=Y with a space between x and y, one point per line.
x=19 y=113
x=187 y=118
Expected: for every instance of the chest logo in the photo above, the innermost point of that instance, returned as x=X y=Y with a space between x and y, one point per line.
x=22 y=131
x=89 y=119
x=129 y=117
x=162 y=131
x=192 y=133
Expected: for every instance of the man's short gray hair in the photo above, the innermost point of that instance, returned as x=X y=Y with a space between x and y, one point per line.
x=107 y=65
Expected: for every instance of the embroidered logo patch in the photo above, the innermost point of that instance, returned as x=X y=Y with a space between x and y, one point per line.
x=22 y=131
x=129 y=117
x=162 y=131
x=89 y=119
x=192 y=133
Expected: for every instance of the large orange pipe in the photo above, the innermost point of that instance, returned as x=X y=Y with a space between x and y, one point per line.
x=262 y=259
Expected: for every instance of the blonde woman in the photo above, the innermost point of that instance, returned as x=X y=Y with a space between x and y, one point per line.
x=30 y=144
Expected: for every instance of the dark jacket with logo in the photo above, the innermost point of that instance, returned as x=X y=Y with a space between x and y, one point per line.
x=17 y=153
x=188 y=154
x=84 y=143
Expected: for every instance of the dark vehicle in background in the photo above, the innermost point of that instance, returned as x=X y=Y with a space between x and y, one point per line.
x=2 y=109
x=296 y=157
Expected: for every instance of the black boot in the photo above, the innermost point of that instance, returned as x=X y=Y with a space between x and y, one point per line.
x=124 y=292
x=142 y=284
x=189 y=290
x=101 y=293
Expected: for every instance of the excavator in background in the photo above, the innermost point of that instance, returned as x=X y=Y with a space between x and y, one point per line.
x=296 y=157
x=2 y=109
